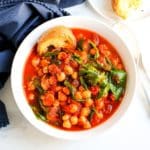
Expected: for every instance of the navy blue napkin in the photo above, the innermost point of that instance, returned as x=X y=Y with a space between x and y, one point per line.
x=17 y=19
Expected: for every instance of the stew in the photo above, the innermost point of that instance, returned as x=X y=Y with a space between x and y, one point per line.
x=75 y=89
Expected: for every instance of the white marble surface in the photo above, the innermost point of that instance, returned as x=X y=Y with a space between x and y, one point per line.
x=131 y=132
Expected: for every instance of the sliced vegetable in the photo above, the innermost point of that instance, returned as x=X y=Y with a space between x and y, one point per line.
x=52 y=53
x=91 y=115
x=93 y=45
x=42 y=107
x=83 y=83
x=93 y=111
x=117 y=91
x=79 y=100
x=103 y=79
x=36 y=83
x=77 y=58
x=80 y=44
x=117 y=82
x=90 y=74
x=71 y=88
x=60 y=113
x=119 y=77
x=53 y=56
x=104 y=91
x=96 y=65
x=107 y=64
x=38 y=114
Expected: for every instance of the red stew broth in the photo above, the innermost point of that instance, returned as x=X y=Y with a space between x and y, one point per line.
x=110 y=106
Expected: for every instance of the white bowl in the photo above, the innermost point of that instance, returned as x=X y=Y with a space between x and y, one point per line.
x=24 y=51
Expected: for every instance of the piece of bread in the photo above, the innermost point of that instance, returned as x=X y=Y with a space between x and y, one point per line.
x=123 y=7
x=59 y=37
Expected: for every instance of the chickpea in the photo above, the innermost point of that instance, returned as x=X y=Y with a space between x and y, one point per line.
x=68 y=70
x=44 y=62
x=58 y=88
x=85 y=111
x=40 y=72
x=61 y=76
x=82 y=120
x=73 y=108
x=31 y=96
x=48 y=99
x=35 y=61
x=45 y=69
x=53 y=69
x=87 y=125
x=66 y=90
x=84 y=56
x=89 y=102
x=67 y=124
x=74 y=75
x=100 y=115
x=62 y=96
x=86 y=94
x=78 y=95
x=52 y=80
x=62 y=55
x=101 y=105
x=74 y=120
x=56 y=103
x=45 y=83
x=31 y=86
x=65 y=117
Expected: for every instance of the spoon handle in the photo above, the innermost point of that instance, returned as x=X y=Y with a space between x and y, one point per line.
x=145 y=85
x=144 y=78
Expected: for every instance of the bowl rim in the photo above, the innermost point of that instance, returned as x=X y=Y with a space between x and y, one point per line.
x=42 y=126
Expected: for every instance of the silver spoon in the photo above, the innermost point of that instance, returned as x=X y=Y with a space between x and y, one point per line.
x=144 y=78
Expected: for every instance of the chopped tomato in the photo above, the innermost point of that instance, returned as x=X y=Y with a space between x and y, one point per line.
x=94 y=90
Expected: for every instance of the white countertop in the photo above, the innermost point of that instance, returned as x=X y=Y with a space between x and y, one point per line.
x=131 y=132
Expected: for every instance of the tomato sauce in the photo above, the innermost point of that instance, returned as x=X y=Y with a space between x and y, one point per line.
x=75 y=91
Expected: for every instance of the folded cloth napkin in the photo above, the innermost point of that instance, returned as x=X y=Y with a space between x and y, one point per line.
x=17 y=19
x=3 y=118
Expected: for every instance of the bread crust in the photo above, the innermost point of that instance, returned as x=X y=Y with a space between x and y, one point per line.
x=123 y=7
x=118 y=8
x=59 y=37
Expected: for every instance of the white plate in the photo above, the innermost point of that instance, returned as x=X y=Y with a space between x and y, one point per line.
x=104 y=8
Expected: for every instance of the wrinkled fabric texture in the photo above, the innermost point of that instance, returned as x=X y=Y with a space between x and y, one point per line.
x=17 y=19
x=3 y=117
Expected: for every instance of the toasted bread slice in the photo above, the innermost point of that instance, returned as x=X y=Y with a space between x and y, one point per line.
x=59 y=37
x=123 y=7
